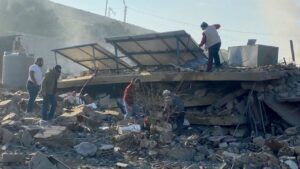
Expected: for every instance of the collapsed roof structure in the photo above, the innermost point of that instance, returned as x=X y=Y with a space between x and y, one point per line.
x=169 y=57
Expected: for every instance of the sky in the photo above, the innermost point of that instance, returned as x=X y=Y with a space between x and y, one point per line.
x=270 y=22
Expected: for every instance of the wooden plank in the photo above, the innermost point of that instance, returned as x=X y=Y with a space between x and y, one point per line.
x=174 y=77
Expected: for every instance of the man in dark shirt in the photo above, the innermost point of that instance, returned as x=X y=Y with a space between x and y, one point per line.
x=174 y=110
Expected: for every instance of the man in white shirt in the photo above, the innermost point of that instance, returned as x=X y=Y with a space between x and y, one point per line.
x=34 y=82
x=212 y=42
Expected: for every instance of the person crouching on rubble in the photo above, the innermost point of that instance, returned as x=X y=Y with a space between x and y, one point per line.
x=129 y=98
x=49 y=88
x=174 y=110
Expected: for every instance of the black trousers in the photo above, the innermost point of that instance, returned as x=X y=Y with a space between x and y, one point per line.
x=213 y=54
x=179 y=120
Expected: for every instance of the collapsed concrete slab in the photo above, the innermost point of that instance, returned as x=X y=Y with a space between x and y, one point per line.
x=288 y=111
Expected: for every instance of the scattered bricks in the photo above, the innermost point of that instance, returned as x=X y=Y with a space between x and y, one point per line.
x=105 y=151
x=13 y=158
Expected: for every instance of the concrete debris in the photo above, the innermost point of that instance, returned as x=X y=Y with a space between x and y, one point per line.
x=26 y=139
x=13 y=158
x=129 y=129
x=234 y=124
x=42 y=161
x=86 y=149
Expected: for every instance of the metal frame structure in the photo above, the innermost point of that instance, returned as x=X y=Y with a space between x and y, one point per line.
x=178 y=51
x=92 y=57
x=148 y=50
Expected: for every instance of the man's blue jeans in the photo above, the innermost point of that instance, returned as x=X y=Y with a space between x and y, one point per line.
x=33 y=91
x=48 y=100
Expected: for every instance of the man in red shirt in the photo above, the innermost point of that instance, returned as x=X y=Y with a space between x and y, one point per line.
x=212 y=42
x=129 y=98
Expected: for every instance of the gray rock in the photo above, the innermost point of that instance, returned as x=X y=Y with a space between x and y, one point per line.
x=181 y=154
x=86 y=149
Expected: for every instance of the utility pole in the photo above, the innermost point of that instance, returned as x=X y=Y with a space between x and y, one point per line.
x=125 y=11
x=292 y=50
x=106 y=7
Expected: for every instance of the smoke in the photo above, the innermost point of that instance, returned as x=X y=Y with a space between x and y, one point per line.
x=282 y=20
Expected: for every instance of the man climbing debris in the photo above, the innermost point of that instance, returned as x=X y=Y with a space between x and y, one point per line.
x=174 y=110
x=34 y=82
x=49 y=88
x=212 y=42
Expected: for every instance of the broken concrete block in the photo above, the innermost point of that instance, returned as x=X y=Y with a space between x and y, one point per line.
x=29 y=120
x=201 y=92
x=54 y=136
x=26 y=139
x=218 y=131
x=5 y=103
x=41 y=161
x=149 y=144
x=7 y=136
x=292 y=131
x=129 y=129
x=259 y=141
x=86 y=149
x=182 y=154
x=166 y=137
x=13 y=158
x=106 y=150
x=121 y=165
x=297 y=150
x=223 y=145
x=286 y=151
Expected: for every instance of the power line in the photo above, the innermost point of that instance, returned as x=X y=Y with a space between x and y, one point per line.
x=198 y=26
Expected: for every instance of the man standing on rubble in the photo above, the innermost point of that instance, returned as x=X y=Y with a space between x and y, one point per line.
x=212 y=42
x=174 y=110
x=129 y=98
x=49 y=88
x=34 y=82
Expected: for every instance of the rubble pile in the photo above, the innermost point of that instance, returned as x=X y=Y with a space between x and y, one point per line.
x=244 y=127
